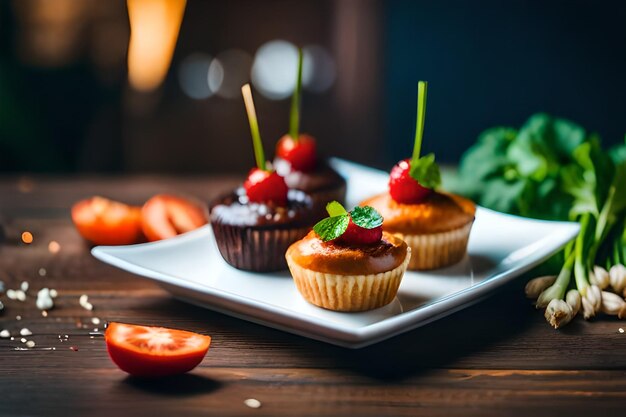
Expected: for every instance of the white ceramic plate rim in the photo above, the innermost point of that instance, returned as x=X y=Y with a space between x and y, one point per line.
x=333 y=332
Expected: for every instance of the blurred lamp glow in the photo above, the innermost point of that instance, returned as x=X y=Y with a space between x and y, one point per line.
x=193 y=76
x=154 y=26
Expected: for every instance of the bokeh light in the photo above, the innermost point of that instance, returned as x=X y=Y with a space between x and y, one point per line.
x=318 y=71
x=228 y=72
x=27 y=237
x=193 y=76
x=54 y=246
x=274 y=69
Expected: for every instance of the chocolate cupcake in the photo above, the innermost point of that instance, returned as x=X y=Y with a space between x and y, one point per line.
x=322 y=183
x=254 y=236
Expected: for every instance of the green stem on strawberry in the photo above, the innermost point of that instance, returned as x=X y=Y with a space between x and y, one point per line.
x=422 y=88
x=294 y=117
x=259 y=154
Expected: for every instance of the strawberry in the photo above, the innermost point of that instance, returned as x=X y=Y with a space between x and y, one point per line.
x=301 y=153
x=266 y=187
x=402 y=187
x=356 y=235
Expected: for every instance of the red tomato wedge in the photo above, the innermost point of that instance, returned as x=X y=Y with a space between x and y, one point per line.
x=107 y=222
x=165 y=216
x=154 y=351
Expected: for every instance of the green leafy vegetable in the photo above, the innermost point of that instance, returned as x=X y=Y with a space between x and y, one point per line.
x=552 y=168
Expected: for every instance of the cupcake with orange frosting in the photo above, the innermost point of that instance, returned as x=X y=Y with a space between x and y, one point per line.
x=435 y=225
x=348 y=263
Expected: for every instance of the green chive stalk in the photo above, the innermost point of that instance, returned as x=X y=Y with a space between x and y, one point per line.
x=294 y=116
x=259 y=154
x=558 y=289
x=422 y=88
x=581 y=265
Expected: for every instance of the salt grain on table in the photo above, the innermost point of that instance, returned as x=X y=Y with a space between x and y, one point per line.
x=25 y=332
x=95 y=320
x=44 y=300
x=53 y=293
x=42 y=272
x=620 y=330
x=5 y=333
x=11 y=294
x=23 y=340
x=84 y=302
x=252 y=403
x=30 y=344
x=20 y=295
x=24 y=286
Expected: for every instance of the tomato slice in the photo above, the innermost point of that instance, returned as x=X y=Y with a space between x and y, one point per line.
x=107 y=222
x=165 y=216
x=154 y=351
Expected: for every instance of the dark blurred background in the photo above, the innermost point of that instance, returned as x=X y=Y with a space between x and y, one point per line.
x=75 y=97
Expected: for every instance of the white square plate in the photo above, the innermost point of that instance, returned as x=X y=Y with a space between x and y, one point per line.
x=189 y=266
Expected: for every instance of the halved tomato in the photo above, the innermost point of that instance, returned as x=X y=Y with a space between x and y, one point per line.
x=154 y=351
x=107 y=222
x=165 y=216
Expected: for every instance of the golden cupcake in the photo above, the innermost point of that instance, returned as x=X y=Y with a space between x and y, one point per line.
x=435 y=225
x=347 y=263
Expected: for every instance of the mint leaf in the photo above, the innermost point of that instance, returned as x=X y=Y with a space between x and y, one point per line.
x=334 y=208
x=426 y=171
x=366 y=217
x=332 y=227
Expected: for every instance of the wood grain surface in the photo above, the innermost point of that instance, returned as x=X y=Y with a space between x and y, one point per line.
x=496 y=358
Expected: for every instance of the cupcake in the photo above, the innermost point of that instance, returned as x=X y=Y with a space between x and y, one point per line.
x=434 y=224
x=347 y=263
x=255 y=224
x=297 y=160
x=254 y=236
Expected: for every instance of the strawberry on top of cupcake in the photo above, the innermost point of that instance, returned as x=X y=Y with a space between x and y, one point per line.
x=298 y=161
x=436 y=225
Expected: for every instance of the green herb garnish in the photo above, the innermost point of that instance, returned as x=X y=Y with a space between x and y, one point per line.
x=366 y=217
x=294 y=116
x=423 y=169
x=334 y=226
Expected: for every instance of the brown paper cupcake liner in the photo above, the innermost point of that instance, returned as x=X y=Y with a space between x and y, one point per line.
x=255 y=249
x=348 y=292
x=432 y=251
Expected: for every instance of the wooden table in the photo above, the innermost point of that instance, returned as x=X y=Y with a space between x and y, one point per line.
x=496 y=358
